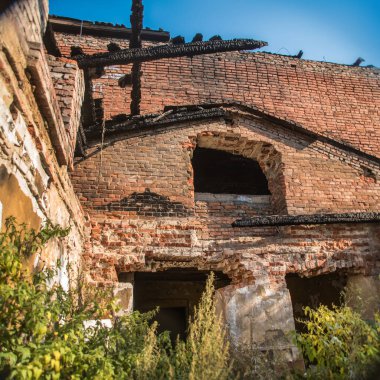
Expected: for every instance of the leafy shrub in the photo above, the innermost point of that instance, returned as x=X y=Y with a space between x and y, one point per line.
x=205 y=353
x=254 y=363
x=338 y=343
x=43 y=334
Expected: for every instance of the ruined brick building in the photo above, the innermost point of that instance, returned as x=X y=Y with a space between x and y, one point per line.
x=170 y=160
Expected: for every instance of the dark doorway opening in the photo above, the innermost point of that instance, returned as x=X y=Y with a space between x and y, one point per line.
x=175 y=292
x=325 y=290
x=173 y=319
x=220 y=172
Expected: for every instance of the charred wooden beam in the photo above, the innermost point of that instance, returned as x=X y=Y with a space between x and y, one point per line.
x=136 y=89
x=136 y=23
x=135 y=43
x=169 y=119
x=230 y=109
x=143 y=125
x=293 y=220
x=127 y=56
x=154 y=122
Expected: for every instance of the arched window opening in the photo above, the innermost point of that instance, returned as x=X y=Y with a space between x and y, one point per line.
x=220 y=172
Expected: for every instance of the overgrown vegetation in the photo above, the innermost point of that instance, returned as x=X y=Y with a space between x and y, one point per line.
x=43 y=333
x=254 y=363
x=339 y=344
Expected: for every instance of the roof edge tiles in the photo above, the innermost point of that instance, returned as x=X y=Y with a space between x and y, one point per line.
x=103 y=29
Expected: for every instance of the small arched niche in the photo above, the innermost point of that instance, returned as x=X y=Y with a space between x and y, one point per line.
x=221 y=172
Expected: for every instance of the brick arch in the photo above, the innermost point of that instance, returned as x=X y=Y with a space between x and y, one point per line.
x=268 y=157
x=234 y=267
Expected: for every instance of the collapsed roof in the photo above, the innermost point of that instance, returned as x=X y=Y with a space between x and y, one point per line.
x=338 y=102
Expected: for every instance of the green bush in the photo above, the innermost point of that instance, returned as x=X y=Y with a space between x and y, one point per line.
x=43 y=335
x=205 y=353
x=338 y=343
x=255 y=363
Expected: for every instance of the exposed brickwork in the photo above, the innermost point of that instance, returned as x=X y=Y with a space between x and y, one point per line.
x=258 y=255
x=68 y=83
x=137 y=189
x=170 y=226
x=303 y=177
x=147 y=204
x=34 y=152
x=339 y=101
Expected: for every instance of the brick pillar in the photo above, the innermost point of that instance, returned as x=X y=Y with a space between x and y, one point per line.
x=123 y=291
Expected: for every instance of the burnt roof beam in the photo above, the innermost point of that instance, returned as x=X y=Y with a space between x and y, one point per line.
x=136 y=23
x=145 y=122
x=134 y=55
x=135 y=43
x=294 y=220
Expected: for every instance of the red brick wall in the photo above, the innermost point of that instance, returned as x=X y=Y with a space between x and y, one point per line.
x=339 y=101
x=68 y=83
x=302 y=177
x=128 y=233
x=139 y=191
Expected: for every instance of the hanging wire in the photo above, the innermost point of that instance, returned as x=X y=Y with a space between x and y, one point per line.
x=81 y=29
x=283 y=48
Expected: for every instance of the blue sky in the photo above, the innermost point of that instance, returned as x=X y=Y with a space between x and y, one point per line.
x=331 y=30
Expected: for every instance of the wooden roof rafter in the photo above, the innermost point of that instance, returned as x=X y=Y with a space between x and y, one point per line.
x=132 y=126
x=128 y=56
x=136 y=54
x=135 y=43
x=313 y=219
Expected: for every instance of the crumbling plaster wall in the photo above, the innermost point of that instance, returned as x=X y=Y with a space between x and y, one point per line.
x=34 y=182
